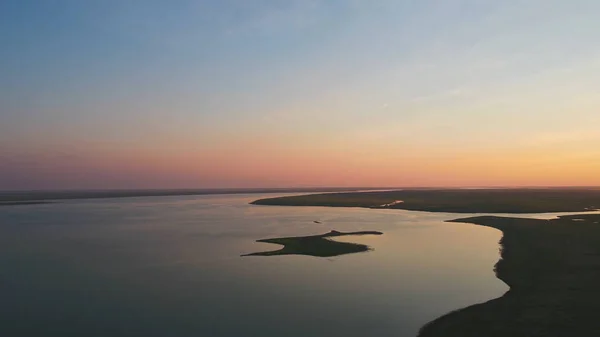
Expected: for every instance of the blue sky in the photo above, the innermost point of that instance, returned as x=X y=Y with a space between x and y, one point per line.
x=426 y=79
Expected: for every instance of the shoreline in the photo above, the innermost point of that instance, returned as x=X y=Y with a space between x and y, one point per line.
x=553 y=270
x=483 y=201
x=31 y=197
x=551 y=266
x=22 y=203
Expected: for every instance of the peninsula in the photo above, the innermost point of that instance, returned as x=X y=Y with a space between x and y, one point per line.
x=455 y=200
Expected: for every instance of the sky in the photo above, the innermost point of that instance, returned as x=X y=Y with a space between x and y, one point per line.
x=206 y=94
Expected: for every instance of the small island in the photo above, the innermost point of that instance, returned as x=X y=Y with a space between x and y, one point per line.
x=316 y=245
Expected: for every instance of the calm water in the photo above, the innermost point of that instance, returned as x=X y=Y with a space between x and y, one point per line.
x=171 y=266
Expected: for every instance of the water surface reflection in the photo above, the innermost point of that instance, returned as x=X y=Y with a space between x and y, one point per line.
x=171 y=266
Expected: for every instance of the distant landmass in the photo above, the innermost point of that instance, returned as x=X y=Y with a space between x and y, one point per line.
x=517 y=200
x=32 y=197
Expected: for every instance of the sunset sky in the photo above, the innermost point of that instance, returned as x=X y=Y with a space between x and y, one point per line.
x=224 y=93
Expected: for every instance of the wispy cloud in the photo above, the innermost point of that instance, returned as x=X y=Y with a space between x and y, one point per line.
x=563 y=137
x=274 y=18
x=33 y=159
x=443 y=95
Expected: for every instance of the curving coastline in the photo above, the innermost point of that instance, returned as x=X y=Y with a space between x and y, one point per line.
x=551 y=266
x=454 y=200
x=553 y=270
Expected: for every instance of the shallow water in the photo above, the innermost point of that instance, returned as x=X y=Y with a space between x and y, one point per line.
x=171 y=266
